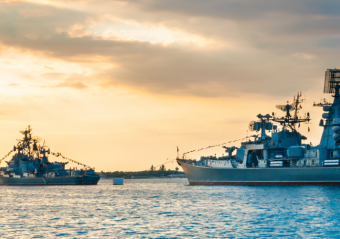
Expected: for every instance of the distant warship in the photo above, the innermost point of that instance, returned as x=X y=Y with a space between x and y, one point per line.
x=30 y=166
x=281 y=158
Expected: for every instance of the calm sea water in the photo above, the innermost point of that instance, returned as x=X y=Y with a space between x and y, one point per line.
x=163 y=208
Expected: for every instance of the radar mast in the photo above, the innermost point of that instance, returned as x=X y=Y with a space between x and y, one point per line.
x=262 y=125
x=288 y=120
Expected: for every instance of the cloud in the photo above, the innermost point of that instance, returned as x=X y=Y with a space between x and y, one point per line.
x=14 y=84
x=258 y=40
x=76 y=85
x=54 y=75
x=240 y=9
x=49 y=67
x=34 y=13
x=303 y=56
x=15 y=24
x=276 y=25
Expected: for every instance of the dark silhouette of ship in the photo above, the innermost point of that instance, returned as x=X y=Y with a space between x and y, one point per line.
x=30 y=166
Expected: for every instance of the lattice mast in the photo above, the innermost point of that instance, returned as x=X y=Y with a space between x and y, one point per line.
x=288 y=120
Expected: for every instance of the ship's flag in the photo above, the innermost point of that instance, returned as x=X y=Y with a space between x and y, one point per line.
x=299 y=124
x=177 y=149
x=308 y=129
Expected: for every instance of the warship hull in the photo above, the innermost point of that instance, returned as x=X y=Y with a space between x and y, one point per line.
x=48 y=181
x=200 y=175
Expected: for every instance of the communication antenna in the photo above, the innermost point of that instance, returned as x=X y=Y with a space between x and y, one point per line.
x=290 y=120
x=44 y=145
x=36 y=139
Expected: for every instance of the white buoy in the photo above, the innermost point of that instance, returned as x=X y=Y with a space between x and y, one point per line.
x=118 y=181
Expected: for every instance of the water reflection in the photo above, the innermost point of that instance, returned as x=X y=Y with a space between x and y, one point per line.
x=169 y=208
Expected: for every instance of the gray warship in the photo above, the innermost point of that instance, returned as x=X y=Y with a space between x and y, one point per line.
x=30 y=166
x=279 y=158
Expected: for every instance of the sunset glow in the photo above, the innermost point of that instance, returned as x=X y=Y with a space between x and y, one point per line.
x=118 y=85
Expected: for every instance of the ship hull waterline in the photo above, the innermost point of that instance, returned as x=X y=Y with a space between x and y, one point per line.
x=49 y=181
x=200 y=175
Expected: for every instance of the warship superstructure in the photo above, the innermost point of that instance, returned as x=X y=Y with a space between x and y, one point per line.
x=30 y=166
x=280 y=158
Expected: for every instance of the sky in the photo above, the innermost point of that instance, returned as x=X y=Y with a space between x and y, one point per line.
x=120 y=84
